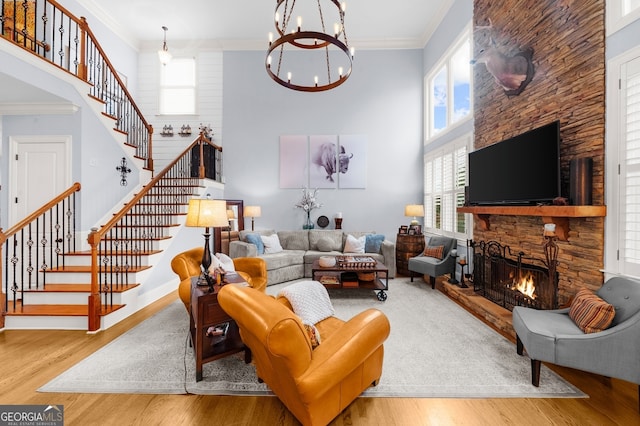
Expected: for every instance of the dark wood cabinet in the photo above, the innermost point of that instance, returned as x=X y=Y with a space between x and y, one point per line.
x=205 y=313
x=407 y=246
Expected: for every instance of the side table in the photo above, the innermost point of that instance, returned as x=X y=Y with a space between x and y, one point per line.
x=206 y=312
x=407 y=246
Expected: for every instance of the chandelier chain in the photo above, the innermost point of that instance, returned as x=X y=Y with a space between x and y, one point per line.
x=321 y=17
x=344 y=31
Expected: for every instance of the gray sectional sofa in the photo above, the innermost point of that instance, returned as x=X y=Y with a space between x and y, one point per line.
x=301 y=248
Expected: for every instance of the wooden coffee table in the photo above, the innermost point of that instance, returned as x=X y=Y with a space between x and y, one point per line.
x=331 y=277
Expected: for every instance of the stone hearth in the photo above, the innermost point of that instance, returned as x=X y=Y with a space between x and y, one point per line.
x=493 y=315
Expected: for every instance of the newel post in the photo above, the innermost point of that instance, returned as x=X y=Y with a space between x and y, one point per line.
x=82 y=66
x=150 y=151
x=94 y=297
x=202 y=171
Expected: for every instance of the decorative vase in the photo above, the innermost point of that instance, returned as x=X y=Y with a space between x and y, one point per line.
x=309 y=224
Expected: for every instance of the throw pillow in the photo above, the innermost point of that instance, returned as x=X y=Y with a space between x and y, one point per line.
x=271 y=243
x=256 y=241
x=309 y=300
x=373 y=243
x=591 y=313
x=354 y=245
x=226 y=262
x=324 y=244
x=437 y=251
x=215 y=264
x=313 y=334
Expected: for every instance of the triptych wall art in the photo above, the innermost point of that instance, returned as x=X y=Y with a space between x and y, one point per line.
x=323 y=161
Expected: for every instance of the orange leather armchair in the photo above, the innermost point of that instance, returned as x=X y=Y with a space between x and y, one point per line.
x=314 y=384
x=187 y=265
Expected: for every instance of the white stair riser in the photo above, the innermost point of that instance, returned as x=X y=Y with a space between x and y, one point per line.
x=55 y=298
x=84 y=278
x=45 y=323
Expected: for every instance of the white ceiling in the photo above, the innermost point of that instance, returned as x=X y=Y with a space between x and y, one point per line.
x=246 y=23
x=369 y=23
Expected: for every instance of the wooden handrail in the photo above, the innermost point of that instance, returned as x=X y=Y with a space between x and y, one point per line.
x=103 y=71
x=36 y=214
x=25 y=225
x=100 y=233
x=97 y=236
x=123 y=87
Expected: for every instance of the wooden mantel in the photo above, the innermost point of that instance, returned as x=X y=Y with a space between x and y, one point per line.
x=550 y=214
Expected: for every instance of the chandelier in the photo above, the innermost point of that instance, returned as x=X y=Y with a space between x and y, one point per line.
x=305 y=56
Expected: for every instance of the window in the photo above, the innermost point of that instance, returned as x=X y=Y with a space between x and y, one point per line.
x=178 y=87
x=448 y=88
x=445 y=176
x=620 y=13
x=629 y=165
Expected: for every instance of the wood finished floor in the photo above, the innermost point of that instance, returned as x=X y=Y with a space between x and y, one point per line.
x=29 y=359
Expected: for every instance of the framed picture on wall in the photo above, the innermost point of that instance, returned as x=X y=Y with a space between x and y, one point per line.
x=294 y=170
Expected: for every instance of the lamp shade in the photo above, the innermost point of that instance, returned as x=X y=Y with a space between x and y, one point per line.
x=207 y=213
x=252 y=211
x=414 y=210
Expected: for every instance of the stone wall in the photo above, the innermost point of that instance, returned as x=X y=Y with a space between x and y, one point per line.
x=568 y=42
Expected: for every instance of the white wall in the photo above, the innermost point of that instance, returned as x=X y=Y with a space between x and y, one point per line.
x=381 y=100
x=208 y=99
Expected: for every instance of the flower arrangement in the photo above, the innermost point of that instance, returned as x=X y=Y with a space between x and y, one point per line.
x=308 y=203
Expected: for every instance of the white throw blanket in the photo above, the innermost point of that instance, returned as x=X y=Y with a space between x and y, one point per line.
x=309 y=300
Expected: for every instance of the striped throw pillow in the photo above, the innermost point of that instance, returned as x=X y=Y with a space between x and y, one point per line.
x=435 y=251
x=591 y=313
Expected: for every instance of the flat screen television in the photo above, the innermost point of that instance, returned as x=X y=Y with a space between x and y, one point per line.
x=521 y=170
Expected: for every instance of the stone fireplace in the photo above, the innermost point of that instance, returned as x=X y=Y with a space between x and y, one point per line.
x=568 y=85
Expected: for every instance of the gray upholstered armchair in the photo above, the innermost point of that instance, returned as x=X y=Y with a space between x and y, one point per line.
x=433 y=266
x=552 y=336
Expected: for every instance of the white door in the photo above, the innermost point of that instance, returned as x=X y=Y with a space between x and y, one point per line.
x=40 y=169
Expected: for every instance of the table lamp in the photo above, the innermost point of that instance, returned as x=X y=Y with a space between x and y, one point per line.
x=205 y=213
x=414 y=210
x=252 y=212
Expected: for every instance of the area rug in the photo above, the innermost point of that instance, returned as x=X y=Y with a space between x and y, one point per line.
x=436 y=349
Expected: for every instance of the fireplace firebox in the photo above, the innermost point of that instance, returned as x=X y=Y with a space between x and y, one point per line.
x=514 y=280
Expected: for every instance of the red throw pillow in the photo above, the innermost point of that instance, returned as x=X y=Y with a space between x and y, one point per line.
x=436 y=251
x=591 y=313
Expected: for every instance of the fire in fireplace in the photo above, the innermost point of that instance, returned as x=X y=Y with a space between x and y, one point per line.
x=506 y=280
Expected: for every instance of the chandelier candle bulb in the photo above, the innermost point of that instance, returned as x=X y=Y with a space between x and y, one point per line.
x=340 y=72
x=299 y=22
x=315 y=79
x=269 y=60
x=343 y=6
x=289 y=77
x=270 y=38
x=336 y=30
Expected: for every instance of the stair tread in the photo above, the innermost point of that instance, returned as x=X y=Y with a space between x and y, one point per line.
x=56 y=310
x=77 y=288
x=88 y=269
x=117 y=252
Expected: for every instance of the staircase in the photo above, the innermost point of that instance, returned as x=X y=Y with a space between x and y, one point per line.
x=58 y=295
x=46 y=282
